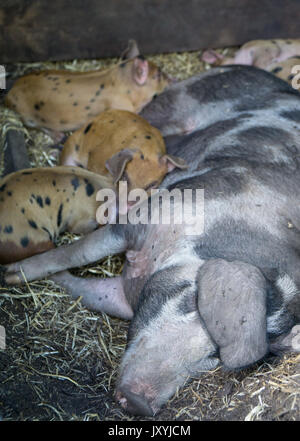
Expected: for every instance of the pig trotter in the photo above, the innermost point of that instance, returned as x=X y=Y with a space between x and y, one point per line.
x=210 y=56
x=105 y=295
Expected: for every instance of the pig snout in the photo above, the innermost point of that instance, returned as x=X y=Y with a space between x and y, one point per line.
x=139 y=384
x=135 y=403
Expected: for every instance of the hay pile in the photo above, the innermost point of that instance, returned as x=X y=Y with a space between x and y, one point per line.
x=61 y=360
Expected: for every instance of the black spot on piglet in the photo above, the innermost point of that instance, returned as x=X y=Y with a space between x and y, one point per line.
x=32 y=224
x=24 y=242
x=87 y=128
x=59 y=215
x=75 y=183
x=276 y=70
x=89 y=189
x=39 y=201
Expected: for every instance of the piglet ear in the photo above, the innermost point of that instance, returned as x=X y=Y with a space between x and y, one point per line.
x=140 y=70
x=232 y=303
x=117 y=163
x=173 y=162
x=131 y=51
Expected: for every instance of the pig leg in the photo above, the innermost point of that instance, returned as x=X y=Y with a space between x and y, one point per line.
x=245 y=56
x=232 y=303
x=105 y=295
x=94 y=246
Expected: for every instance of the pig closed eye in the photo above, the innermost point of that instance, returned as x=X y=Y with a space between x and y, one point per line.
x=125 y=177
x=152 y=185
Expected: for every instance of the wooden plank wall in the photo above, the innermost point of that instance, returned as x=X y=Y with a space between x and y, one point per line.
x=37 y=30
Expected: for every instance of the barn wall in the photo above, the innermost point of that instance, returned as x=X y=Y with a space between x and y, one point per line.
x=38 y=30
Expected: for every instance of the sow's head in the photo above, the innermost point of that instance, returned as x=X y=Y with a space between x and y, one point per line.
x=183 y=327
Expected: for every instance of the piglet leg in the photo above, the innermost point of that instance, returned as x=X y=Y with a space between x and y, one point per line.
x=94 y=246
x=105 y=295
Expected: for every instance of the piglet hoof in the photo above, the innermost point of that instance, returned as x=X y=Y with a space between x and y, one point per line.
x=210 y=56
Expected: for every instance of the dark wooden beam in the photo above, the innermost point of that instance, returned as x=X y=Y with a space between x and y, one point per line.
x=37 y=30
x=15 y=153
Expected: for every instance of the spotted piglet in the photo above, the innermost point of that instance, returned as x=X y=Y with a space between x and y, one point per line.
x=62 y=100
x=277 y=56
x=36 y=205
x=288 y=70
x=124 y=145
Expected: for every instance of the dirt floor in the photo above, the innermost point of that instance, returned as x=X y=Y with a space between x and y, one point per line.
x=61 y=360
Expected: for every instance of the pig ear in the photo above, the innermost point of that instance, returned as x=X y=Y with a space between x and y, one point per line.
x=173 y=162
x=131 y=51
x=140 y=70
x=117 y=163
x=232 y=303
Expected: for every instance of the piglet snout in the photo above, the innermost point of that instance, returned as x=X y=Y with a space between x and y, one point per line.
x=136 y=404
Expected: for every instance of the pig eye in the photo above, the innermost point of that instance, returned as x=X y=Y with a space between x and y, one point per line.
x=152 y=185
x=154 y=96
x=125 y=177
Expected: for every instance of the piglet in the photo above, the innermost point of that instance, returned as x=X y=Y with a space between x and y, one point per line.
x=124 y=145
x=62 y=100
x=276 y=56
x=36 y=205
x=259 y=53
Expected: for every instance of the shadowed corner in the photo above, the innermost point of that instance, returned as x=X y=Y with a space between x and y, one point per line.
x=2 y=276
